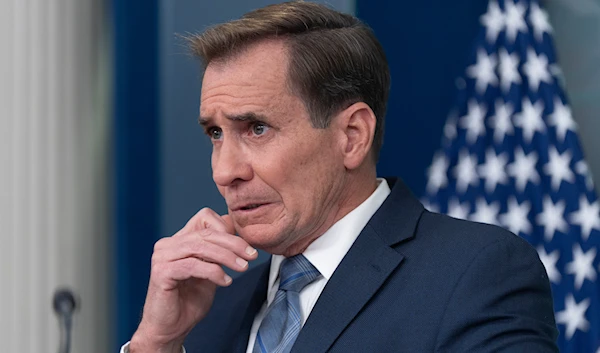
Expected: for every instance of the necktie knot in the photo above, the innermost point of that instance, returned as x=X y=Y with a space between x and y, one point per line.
x=295 y=273
x=282 y=323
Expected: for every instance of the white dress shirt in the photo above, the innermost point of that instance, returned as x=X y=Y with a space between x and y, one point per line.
x=325 y=253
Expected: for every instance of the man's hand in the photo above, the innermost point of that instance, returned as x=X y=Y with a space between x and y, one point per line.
x=186 y=270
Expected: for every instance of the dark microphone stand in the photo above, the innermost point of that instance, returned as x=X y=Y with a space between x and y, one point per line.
x=64 y=304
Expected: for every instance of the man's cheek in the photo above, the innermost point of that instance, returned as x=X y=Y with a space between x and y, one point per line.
x=223 y=193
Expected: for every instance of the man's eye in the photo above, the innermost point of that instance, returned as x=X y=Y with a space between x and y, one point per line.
x=215 y=133
x=259 y=128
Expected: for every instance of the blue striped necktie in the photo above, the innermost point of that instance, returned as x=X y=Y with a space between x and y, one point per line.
x=280 y=327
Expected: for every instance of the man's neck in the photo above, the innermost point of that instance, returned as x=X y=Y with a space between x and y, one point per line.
x=356 y=191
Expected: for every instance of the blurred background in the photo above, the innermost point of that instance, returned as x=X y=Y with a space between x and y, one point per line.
x=101 y=154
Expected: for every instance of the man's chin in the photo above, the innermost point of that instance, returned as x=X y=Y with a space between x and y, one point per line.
x=263 y=237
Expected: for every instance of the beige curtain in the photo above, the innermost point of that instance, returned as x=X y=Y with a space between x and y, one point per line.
x=53 y=172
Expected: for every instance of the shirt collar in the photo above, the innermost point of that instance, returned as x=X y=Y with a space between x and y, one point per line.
x=327 y=251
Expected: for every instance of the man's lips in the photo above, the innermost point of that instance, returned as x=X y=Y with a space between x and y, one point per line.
x=247 y=206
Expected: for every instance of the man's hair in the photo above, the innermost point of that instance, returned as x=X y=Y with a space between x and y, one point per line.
x=334 y=59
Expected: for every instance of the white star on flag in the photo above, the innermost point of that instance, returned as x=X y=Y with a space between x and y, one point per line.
x=582 y=169
x=587 y=217
x=530 y=119
x=493 y=20
x=549 y=261
x=552 y=218
x=536 y=69
x=515 y=218
x=436 y=174
x=539 y=20
x=582 y=266
x=509 y=69
x=523 y=169
x=500 y=122
x=574 y=316
x=561 y=119
x=485 y=213
x=558 y=168
x=457 y=209
x=464 y=172
x=514 y=20
x=473 y=122
x=493 y=170
x=483 y=71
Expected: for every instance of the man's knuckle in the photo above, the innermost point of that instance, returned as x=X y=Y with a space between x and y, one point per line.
x=159 y=244
x=205 y=212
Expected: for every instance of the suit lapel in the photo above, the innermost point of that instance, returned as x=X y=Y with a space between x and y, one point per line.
x=362 y=272
x=360 y=277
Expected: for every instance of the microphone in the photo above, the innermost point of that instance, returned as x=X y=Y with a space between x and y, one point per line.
x=64 y=304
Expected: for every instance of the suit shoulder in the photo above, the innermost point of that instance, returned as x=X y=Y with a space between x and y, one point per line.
x=468 y=236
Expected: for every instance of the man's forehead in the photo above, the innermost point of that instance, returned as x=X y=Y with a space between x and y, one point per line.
x=264 y=60
x=254 y=80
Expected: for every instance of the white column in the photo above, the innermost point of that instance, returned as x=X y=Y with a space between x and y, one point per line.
x=54 y=217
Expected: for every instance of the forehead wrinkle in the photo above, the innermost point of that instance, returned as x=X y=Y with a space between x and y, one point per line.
x=256 y=56
x=229 y=87
x=237 y=107
x=254 y=93
x=259 y=100
x=240 y=91
x=247 y=73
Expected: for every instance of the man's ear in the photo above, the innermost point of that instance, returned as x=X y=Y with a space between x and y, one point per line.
x=358 y=125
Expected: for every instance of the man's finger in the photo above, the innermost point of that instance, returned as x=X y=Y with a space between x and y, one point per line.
x=192 y=246
x=231 y=242
x=206 y=218
x=203 y=244
x=190 y=267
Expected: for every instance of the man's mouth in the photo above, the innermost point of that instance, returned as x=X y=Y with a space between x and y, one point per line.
x=251 y=206
x=248 y=206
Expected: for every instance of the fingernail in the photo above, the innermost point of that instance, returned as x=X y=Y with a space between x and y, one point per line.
x=243 y=263
x=250 y=250
x=227 y=279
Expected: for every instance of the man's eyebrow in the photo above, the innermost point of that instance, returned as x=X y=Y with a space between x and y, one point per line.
x=204 y=121
x=250 y=117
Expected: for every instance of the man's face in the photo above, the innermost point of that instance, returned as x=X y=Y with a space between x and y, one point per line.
x=282 y=179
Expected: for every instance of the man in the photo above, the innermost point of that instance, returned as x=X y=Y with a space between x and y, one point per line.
x=293 y=100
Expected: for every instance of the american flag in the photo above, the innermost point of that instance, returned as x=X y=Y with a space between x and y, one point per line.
x=511 y=156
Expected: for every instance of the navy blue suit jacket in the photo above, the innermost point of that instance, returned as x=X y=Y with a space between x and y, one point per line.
x=414 y=281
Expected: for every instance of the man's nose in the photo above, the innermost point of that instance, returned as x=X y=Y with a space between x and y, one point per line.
x=230 y=164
